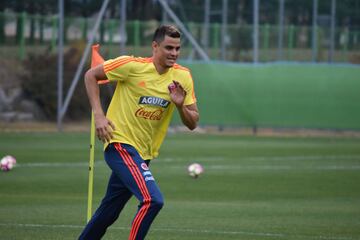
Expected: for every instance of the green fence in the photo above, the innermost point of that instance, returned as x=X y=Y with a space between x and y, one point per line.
x=278 y=95
x=24 y=32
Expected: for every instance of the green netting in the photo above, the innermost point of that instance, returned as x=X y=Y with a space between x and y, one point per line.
x=278 y=95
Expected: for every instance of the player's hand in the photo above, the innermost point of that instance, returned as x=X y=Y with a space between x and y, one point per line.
x=104 y=128
x=177 y=93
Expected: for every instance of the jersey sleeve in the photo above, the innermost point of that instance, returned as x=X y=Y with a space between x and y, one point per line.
x=118 y=69
x=189 y=88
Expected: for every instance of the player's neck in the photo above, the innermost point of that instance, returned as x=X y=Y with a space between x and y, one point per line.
x=159 y=68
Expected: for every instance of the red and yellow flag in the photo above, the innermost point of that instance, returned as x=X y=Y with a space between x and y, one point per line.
x=97 y=59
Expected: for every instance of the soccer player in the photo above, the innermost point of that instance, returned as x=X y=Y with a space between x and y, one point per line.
x=147 y=92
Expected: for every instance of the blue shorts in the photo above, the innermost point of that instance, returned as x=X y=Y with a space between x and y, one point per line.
x=130 y=176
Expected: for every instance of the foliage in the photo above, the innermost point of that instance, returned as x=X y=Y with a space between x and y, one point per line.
x=296 y=11
x=39 y=82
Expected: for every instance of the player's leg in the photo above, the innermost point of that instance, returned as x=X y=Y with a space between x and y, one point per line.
x=116 y=197
x=147 y=211
x=142 y=184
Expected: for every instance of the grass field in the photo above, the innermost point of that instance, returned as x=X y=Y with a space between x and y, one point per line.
x=252 y=188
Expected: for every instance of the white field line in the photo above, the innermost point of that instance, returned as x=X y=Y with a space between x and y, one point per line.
x=299 y=158
x=275 y=167
x=285 y=167
x=203 y=160
x=185 y=230
x=55 y=164
x=267 y=158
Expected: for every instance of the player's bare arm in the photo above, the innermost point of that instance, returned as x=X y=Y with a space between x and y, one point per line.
x=189 y=114
x=104 y=126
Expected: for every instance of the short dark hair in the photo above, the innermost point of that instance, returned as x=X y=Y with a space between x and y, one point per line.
x=166 y=30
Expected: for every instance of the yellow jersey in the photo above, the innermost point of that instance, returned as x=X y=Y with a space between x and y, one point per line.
x=141 y=108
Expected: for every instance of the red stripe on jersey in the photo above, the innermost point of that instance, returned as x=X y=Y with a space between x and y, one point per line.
x=177 y=66
x=117 y=63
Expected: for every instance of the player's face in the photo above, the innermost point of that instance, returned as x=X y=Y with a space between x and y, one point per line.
x=167 y=52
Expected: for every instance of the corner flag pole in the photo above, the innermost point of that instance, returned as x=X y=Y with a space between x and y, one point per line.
x=96 y=59
x=91 y=168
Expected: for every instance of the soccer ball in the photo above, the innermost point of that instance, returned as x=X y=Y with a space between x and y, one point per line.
x=195 y=170
x=7 y=163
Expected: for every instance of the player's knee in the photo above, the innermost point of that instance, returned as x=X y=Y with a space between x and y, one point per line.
x=157 y=203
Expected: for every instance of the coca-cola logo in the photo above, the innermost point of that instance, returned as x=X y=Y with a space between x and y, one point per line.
x=149 y=114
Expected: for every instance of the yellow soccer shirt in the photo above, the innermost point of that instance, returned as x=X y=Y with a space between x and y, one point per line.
x=141 y=108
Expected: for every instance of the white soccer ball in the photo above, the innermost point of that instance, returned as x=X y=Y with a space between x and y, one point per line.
x=195 y=170
x=7 y=163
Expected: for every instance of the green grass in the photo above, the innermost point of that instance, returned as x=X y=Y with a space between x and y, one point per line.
x=252 y=188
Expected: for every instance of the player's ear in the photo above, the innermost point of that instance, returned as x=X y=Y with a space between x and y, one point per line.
x=154 y=45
